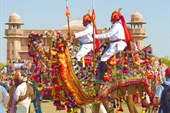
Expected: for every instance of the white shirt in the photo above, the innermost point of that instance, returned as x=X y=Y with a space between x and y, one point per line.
x=21 y=91
x=86 y=35
x=160 y=89
x=4 y=97
x=116 y=32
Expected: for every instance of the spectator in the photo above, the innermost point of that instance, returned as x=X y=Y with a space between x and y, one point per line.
x=12 y=103
x=162 y=96
x=119 y=37
x=85 y=38
x=37 y=100
x=21 y=90
x=4 y=97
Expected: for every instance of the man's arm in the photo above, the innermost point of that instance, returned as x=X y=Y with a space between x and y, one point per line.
x=108 y=34
x=21 y=98
x=158 y=94
x=84 y=33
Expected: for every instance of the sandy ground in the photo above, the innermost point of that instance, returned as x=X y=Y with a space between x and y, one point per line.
x=47 y=107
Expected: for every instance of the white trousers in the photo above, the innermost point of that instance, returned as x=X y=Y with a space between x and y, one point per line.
x=2 y=108
x=113 y=49
x=23 y=108
x=84 y=50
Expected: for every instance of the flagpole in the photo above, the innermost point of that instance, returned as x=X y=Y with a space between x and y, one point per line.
x=94 y=64
x=68 y=19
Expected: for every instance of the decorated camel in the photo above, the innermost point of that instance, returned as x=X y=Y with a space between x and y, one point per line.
x=128 y=73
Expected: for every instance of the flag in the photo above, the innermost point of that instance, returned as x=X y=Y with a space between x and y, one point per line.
x=67 y=10
x=93 y=17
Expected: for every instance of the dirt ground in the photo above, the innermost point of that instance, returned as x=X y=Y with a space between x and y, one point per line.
x=47 y=107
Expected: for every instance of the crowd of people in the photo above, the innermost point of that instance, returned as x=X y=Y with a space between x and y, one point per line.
x=15 y=93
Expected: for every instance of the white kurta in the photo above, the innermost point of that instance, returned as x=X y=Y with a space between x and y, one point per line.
x=22 y=106
x=86 y=37
x=4 y=98
x=116 y=32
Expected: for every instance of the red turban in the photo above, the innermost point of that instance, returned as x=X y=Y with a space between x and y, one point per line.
x=115 y=16
x=167 y=72
x=16 y=76
x=86 y=18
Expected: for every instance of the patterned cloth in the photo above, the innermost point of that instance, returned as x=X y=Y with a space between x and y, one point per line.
x=12 y=103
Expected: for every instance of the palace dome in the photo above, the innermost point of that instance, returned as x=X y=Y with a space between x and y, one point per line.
x=74 y=25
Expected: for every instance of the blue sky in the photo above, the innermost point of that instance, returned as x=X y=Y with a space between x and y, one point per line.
x=50 y=14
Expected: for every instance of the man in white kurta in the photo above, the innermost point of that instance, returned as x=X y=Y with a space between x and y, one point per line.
x=85 y=38
x=116 y=33
x=22 y=106
x=4 y=98
x=117 y=38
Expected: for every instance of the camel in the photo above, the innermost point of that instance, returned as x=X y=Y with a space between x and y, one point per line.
x=74 y=86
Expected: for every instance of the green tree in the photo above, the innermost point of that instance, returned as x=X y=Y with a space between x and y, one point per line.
x=165 y=60
x=1 y=65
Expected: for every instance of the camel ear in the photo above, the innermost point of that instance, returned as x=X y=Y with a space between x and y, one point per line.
x=119 y=9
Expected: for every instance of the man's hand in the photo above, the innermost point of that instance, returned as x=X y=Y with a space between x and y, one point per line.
x=73 y=34
x=21 y=98
x=93 y=35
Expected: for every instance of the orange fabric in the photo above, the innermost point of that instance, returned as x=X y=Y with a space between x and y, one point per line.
x=127 y=32
x=16 y=76
x=93 y=16
x=86 y=18
x=67 y=12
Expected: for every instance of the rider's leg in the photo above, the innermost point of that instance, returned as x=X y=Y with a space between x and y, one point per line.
x=102 y=65
x=84 y=50
x=102 y=70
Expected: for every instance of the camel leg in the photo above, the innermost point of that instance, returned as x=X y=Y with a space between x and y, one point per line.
x=82 y=110
x=96 y=108
x=130 y=104
x=108 y=109
x=135 y=109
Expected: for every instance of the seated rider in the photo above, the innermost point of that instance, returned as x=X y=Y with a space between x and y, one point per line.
x=119 y=37
x=85 y=38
